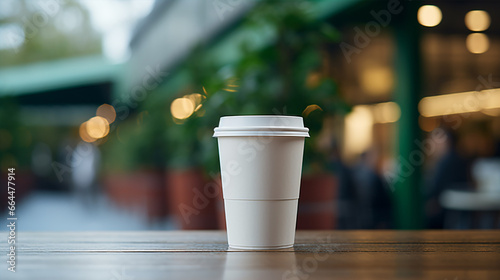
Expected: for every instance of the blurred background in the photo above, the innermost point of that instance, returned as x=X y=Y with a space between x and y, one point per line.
x=107 y=109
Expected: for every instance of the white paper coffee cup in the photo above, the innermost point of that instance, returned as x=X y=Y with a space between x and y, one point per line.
x=261 y=164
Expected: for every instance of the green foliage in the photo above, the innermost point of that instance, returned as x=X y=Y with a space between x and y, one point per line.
x=282 y=78
x=183 y=147
x=134 y=144
x=15 y=139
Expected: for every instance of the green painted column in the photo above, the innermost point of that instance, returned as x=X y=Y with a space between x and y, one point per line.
x=408 y=203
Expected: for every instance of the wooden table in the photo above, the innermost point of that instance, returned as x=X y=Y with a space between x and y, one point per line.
x=451 y=255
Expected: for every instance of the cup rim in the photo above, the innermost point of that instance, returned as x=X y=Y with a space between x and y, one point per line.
x=262 y=128
x=248 y=128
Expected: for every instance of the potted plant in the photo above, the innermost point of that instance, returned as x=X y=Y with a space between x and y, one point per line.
x=133 y=176
x=289 y=77
x=192 y=206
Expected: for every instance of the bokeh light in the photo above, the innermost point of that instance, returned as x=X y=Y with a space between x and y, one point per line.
x=429 y=15
x=358 y=130
x=477 y=43
x=459 y=103
x=477 y=20
x=377 y=80
x=84 y=134
x=231 y=85
x=196 y=99
x=97 y=127
x=107 y=111
x=182 y=108
x=386 y=112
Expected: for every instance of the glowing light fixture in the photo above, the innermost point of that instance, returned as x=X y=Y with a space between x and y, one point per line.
x=477 y=43
x=429 y=15
x=359 y=123
x=459 y=103
x=477 y=20
x=358 y=130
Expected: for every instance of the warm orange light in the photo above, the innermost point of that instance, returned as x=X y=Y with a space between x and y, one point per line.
x=386 y=112
x=377 y=81
x=477 y=20
x=231 y=85
x=107 y=111
x=196 y=99
x=97 y=127
x=182 y=108
x=477 y=43
x=429 y=15
x=84 y=135
x=358 y=130
x=459 y=103
x=428 y=124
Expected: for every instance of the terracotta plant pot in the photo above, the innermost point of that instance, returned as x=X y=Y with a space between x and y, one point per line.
x=317 y=202
x=219 y=204
x=140 y=191
x=192 y=199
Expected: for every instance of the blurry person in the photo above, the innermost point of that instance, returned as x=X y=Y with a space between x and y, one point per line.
x=84 y=162
x=453 y=170
x=346 y=196
x=373 y=203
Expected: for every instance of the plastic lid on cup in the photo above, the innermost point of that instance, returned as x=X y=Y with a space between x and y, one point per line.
x=271 y=125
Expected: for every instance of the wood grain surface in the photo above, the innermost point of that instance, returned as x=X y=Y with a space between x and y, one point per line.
x=443 y=255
